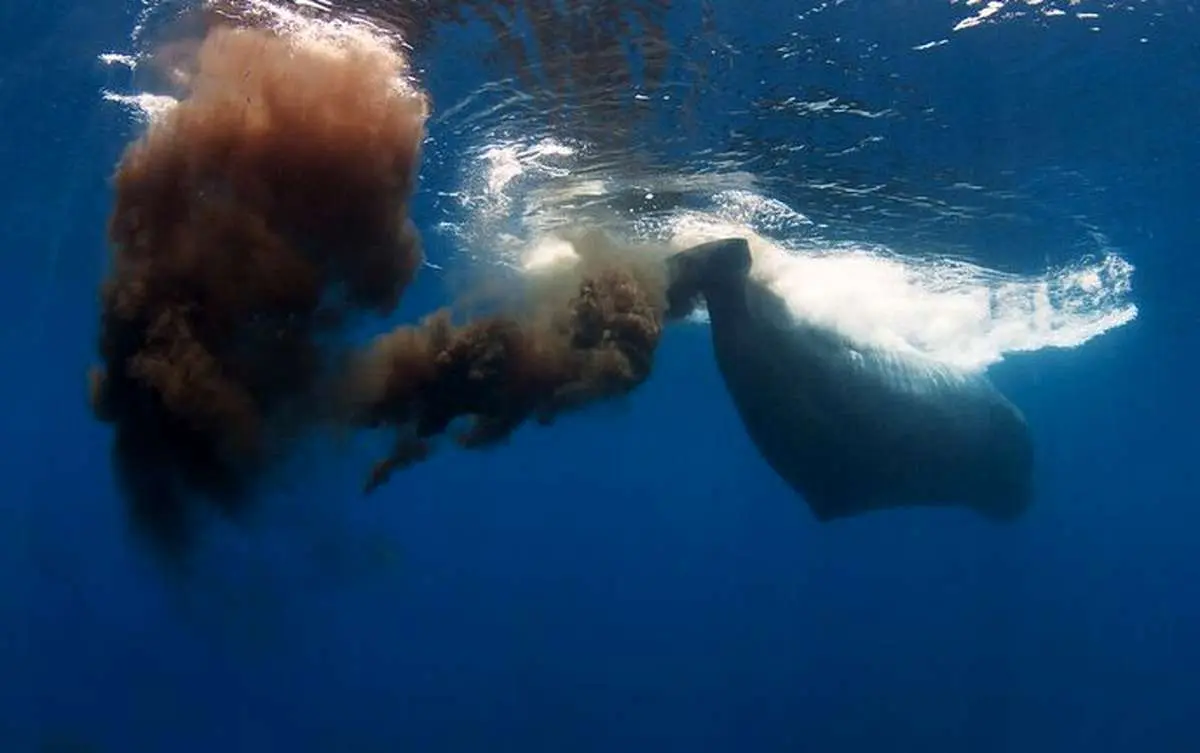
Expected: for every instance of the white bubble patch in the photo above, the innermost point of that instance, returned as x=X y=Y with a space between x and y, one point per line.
x=955 y=312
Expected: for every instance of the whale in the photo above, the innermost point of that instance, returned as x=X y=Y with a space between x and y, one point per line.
x=852 y=428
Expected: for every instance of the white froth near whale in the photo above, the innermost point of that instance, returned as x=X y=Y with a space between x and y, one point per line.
x=954 y=312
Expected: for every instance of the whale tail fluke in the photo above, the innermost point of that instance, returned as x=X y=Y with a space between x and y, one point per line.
x=698 y=269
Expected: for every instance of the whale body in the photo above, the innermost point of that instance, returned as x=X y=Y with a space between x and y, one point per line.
x=853 y=429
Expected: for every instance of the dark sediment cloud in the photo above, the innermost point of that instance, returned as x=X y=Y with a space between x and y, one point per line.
x=259 y=217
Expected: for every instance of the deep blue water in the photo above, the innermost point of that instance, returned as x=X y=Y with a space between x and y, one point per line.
x=635 y=579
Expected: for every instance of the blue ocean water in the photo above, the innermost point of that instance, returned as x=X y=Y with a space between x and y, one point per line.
x=635 y=578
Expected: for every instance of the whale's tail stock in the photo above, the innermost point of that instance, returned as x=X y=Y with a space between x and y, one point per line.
x=696 y=270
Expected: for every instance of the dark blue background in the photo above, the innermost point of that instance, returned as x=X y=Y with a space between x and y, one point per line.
x=634 y=579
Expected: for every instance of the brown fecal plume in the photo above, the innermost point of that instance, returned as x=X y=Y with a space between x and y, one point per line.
x=596 y=341
x=250 y=221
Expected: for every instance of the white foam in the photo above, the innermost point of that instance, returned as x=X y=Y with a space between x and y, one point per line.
x=145 y=107
x=116 y=58
x=329 y=34
x=957 y=313
x=952 y=311
x=548 y=252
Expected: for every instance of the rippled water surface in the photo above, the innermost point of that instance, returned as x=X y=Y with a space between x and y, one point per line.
x=905 y=170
